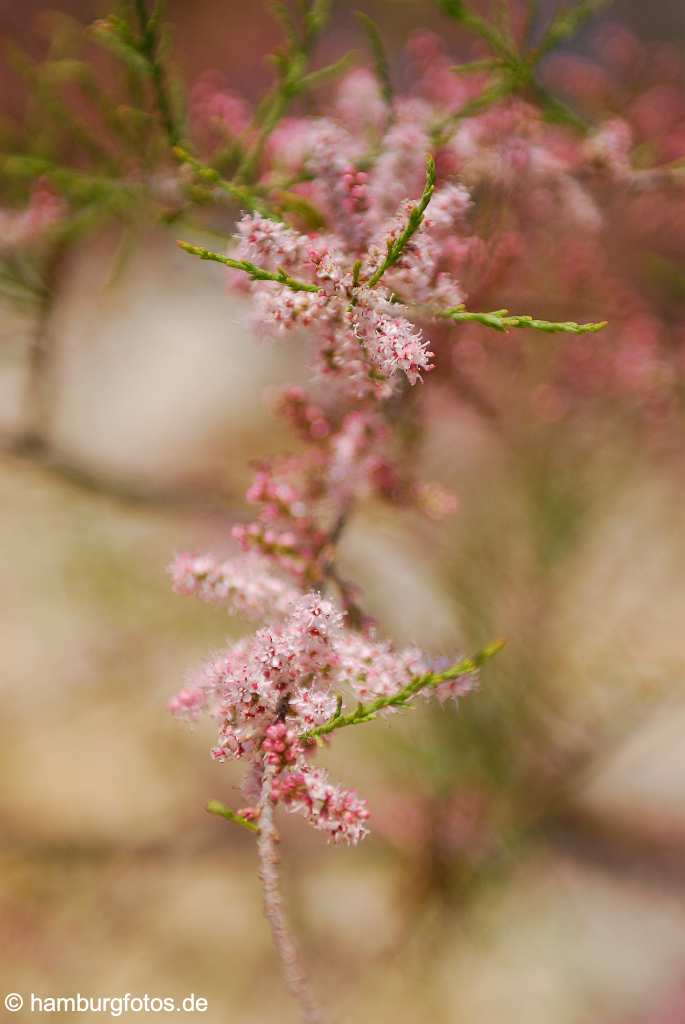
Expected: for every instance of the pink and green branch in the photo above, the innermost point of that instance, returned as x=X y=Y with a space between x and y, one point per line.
x=367 y=712
x=396 y=248
x=402 y=699
x=497 y=320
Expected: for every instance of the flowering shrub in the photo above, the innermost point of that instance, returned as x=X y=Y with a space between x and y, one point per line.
x=367 y=226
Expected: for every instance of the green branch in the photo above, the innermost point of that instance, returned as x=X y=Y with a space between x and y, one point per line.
x=216 y=807
x=314 y=78
x=498 y=320
x=396 y=248
x=252 y=270
x=45 y=81
x=403 y=697
x=293 y=81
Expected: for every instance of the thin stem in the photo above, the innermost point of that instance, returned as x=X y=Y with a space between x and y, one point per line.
x=491 y=94
x=41 y=361
x=251 y=269
x=458 y=10
x=273 y=905
x=498 y=320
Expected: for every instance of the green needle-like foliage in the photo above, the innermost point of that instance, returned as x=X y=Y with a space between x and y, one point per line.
x=499 y=320
x=254 y=272
x=513 y=71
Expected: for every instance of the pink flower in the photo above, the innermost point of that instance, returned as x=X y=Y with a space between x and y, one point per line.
x=374 y=669
x=270 y=243
x=338 y=812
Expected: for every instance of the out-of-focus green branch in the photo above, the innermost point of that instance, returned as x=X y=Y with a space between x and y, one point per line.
x=566 y=23
x=513 y=70
x=76 y=185
x=292 y=77
x=459 y=11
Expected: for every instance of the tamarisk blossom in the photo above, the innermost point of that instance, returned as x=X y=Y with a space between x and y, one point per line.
x=245 y=585
x=270 y=691
x=333 y=283
x=363 y=339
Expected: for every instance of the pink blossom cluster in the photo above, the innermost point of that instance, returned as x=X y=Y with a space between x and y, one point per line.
x=364 y=339
x=337 y=812
x=245 y=585
x=268 y=690
x=559 y=213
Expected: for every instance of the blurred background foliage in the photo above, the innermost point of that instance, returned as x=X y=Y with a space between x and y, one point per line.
x=527 y=854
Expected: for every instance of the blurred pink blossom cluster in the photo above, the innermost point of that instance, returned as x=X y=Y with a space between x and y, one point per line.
x=302 y=499
x=218 y=115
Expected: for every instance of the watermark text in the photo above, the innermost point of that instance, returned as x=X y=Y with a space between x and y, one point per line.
x=112 y=1006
